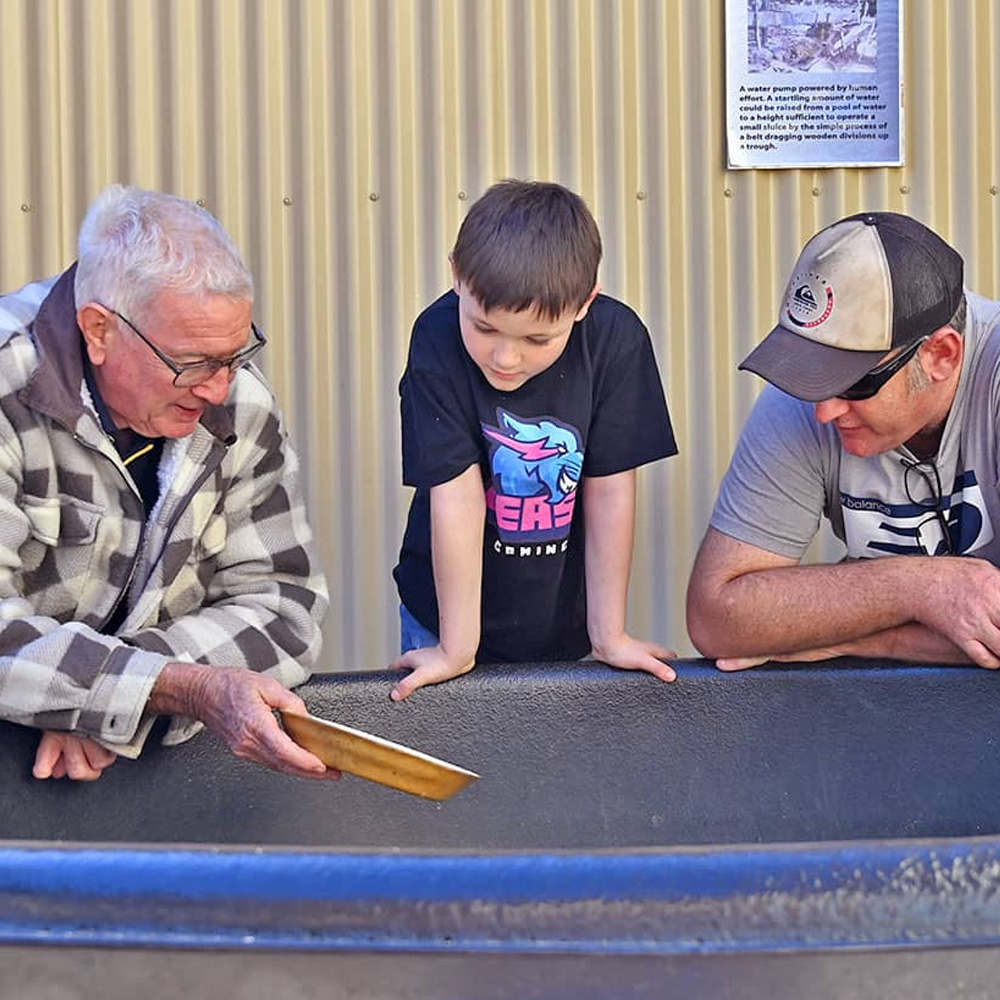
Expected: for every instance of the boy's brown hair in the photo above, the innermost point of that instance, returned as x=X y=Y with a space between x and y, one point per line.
x=528 y=245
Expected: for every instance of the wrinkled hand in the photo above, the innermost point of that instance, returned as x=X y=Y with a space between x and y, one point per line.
x=241 y=710
x=238 y=706
x=429 y=665
x=961 y=600
x=627 y=653
x=64 y=755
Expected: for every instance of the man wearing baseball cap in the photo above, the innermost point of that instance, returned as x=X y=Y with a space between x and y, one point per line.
x=882 y=416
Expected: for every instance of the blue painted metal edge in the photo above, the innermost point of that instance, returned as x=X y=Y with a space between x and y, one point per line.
x=678 y=901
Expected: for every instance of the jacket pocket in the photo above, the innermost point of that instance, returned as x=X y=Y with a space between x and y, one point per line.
x=60 y=572
x=62 y=520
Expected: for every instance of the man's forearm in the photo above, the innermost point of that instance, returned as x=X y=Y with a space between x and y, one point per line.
x=913 y=643
x=790 y=608
x=744 y=601
x=178 y=690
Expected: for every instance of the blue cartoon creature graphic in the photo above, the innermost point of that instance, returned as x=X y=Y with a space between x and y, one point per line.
x=536 y=466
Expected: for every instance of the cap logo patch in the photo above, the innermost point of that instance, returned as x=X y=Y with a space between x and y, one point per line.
x=810 y=301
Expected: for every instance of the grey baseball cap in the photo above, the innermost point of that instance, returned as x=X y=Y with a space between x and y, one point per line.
x=860 y=288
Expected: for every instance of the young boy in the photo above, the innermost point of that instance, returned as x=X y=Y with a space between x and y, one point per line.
x=527 y=403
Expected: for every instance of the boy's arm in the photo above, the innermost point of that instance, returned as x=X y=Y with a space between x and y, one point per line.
x=458 y=513
x=609 y=522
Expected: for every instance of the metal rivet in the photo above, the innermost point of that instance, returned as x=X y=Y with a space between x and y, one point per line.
x=993 y=189
x=817 y=192
x=463 y=195
x=287 y=200
x=727 y=192
x=373 y=196
x=641 y=195
x=25 y=207
x=904 y=188
x=200 y=202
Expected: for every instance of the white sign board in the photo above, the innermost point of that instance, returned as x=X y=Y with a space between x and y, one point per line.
x=814 y=83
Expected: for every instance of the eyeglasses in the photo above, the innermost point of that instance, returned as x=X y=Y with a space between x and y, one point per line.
x=933 y=503
x=869 y=385
x=199 y=372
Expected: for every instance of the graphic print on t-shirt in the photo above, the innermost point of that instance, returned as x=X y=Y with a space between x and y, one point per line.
x=536 y=464
x=873 y=527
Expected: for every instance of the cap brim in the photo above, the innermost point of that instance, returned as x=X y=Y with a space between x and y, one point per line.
x=805 y=369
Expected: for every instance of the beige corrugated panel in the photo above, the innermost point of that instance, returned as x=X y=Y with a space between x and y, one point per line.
x=341 y=142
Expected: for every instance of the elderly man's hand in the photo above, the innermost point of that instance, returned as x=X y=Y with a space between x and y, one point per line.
x=63 y=755
x=238 y=705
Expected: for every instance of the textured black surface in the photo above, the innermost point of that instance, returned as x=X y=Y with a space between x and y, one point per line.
x=577 y=756
x=465 y=901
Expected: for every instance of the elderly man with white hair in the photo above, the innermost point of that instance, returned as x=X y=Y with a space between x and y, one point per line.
x=155 y=558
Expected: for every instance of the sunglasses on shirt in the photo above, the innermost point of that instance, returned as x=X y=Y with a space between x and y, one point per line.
x=869 y=385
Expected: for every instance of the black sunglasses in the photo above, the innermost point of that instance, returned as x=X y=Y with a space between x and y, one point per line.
x=869 y=385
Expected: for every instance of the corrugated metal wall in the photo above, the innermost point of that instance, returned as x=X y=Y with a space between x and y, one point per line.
x=341 y=142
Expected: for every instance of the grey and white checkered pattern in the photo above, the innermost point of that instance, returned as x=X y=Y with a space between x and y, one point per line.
x=222 y=572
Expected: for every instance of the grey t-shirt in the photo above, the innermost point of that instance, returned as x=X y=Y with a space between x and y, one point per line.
x=789 y=471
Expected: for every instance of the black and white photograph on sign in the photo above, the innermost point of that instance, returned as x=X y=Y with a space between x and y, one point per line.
x=813 y=83
x=836 y=36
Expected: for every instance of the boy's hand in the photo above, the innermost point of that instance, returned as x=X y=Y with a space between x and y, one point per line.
x=429 y=665
x=627 y=653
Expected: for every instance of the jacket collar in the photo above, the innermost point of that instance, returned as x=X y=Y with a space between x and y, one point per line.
x=55 y=388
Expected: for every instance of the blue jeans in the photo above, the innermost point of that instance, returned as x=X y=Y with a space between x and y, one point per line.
x=413 y=635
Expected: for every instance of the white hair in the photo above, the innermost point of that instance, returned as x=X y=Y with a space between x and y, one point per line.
x=135 y=244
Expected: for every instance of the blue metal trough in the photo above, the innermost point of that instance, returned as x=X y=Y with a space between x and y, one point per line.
x=830 y=831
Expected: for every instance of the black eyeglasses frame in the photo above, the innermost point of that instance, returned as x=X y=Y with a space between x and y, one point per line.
x=203 y=371
x=934 y=503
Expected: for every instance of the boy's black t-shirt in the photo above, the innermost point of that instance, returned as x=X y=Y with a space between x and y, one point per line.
x=598 y=410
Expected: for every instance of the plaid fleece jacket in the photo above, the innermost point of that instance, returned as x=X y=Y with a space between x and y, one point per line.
x=222 y=571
